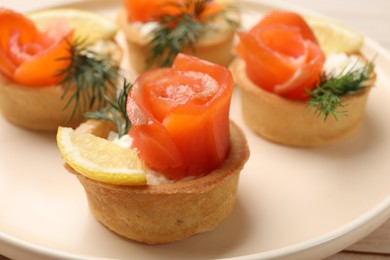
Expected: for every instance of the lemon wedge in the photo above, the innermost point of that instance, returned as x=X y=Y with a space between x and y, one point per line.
x=89 y=26
x=334 y=37
x=100 y=159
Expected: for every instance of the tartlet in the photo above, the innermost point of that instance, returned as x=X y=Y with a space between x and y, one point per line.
x=164 y=213
x=189 y=152
x=42 y=106
x=276 y=94
x=292 y=122
x=214 y=44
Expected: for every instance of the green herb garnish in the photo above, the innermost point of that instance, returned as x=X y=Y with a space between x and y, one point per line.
x=90 y=75
x=179 y=31
x=326 y=97
x=115 y=111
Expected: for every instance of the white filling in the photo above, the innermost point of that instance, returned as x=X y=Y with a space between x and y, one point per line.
x=338 y=64
x=212 y=28
x=124 y=142
x=145 y=28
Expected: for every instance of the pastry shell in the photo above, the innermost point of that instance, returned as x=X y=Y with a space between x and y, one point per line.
x=292 y=122
x=164 y=213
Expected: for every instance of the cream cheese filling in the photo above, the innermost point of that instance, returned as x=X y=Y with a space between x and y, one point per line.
x=152 y=177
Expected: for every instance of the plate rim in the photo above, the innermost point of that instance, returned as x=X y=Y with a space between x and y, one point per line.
x=380 y=211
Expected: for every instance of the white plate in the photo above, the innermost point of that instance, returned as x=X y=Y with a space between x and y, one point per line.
x=292 y=203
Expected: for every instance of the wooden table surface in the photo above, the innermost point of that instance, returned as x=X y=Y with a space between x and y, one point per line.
x=370 y=17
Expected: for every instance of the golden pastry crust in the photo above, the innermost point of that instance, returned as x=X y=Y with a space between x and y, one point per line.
x=216 y=48
x=165 y=213
x=41 y=108
x=292 y=122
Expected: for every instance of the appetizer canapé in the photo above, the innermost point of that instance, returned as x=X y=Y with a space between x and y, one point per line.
x=192 y=154
x=287 y=82
x=156 y=31
x=47 y=76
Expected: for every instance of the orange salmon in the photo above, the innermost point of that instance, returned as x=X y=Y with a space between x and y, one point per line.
x=28 y=56
x=151 y=10
x=282 y=55
x=180 y=117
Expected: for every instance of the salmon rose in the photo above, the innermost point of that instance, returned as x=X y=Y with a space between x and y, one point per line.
x=180 y=117
x=151 y=10
x=282 y=55
x=28 y=56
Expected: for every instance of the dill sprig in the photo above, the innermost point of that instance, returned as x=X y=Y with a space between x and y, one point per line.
x=89 y=77
x=115 y=111
x=179 y=31
x=326 y=98
x=168 y=40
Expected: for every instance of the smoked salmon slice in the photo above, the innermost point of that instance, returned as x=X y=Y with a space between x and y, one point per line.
x=282 y=55
x=28 y=56
x=151 y=10
x=180 y=117
x=288 y=19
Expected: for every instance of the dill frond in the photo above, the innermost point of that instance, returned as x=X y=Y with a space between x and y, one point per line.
x=89 y=78
x=115 y=111
x=326 y=97
x=176 y=32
